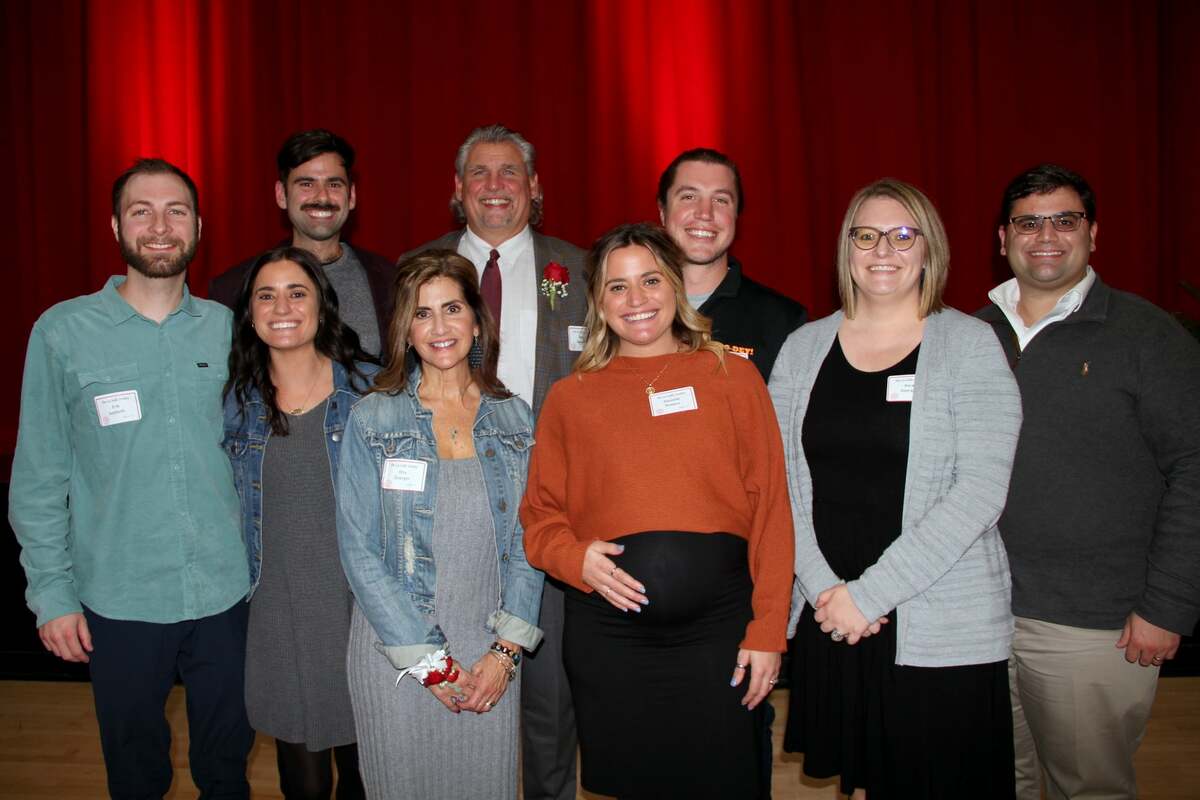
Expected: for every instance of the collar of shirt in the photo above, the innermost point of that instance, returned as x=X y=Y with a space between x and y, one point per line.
x=1008 y=294
x=119 y=310
x=479 y=251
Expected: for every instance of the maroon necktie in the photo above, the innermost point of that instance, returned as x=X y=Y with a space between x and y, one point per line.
x=490 y=286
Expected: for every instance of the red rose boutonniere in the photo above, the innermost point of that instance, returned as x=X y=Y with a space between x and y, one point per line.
x=554 y=282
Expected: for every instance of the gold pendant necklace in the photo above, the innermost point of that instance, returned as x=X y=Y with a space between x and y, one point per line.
x=298 y=411
x=650 y=385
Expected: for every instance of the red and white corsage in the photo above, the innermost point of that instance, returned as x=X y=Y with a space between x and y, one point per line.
x=432 y=669
x=555 y=278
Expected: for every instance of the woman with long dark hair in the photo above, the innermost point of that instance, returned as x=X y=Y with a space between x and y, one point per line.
x=294 y=371
x=433 y=467
x=657 y=492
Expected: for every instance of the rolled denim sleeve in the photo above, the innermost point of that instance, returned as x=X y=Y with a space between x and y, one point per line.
x=38 y=507
x=361 y=542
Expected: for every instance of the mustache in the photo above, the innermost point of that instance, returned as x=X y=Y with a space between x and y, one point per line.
x=320 y=207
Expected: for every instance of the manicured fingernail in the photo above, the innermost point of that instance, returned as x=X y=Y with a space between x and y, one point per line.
x=646 y=602
x=733 y=681
x=641 y=588
x=637 y=609
x=622 y=550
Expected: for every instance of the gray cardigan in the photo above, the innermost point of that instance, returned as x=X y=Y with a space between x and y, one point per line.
x=947 y=573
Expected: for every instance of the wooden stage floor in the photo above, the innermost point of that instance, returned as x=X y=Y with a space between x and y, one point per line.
x=49 y=747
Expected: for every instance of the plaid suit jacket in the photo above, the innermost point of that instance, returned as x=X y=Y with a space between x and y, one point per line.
x=553 y=359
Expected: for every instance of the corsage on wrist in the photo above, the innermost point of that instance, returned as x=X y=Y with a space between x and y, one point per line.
x=432 y=669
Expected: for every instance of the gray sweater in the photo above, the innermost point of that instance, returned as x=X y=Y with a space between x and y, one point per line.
x=1103 y=514
x=947 y=573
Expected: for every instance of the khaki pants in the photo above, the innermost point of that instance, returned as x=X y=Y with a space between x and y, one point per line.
x=1079 y=711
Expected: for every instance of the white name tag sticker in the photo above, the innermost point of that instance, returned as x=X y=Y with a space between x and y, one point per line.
x=404 y=474
x=673 y=401
x=576 y=337
x=900 y=388
x=118 y=407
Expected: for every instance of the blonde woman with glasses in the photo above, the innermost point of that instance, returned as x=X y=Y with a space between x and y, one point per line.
x=899 y=418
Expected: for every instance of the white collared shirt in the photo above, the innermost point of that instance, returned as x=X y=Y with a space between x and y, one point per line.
x=518 y=305
x=1008 y=294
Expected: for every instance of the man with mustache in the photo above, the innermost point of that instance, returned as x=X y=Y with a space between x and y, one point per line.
x=123 y=500
x=534 y=286
x=316 y=189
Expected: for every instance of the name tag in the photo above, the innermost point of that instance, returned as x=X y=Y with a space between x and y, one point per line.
x=576 y=337
x=118 y=407
x=404 y=474
x=900 y=388
x=673 y=401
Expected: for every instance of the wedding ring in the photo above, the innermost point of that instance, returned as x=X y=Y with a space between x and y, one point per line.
x=773 y=681
x=837 y=635
x=1156 y=659
x=739 y=666
x=488 y=704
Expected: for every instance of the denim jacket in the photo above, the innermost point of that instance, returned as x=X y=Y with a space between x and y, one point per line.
x=385 y=523
x=245 y=442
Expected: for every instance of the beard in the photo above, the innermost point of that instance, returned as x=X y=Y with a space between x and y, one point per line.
x=159 y=266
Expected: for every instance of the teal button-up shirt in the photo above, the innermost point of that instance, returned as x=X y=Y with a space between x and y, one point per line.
x=121 y=496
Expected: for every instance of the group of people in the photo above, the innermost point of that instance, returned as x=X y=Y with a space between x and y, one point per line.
x=353 y=512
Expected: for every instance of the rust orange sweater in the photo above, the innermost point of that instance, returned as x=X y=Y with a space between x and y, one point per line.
x=603 y=467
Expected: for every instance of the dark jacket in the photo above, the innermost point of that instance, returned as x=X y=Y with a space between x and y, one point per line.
x=1103 y=512
x=752 y=318
x=381 y=273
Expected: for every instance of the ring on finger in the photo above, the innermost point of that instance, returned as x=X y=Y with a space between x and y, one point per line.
x=773 y=681
x=612 y=572
x=740 y=666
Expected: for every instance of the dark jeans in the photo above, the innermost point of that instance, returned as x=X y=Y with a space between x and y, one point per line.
x=133 y=667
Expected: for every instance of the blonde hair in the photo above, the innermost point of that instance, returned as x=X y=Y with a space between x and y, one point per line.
x=693 y=329
x=937 y=247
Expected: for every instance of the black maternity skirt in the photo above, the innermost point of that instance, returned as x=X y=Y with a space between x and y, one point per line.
x=656 y=715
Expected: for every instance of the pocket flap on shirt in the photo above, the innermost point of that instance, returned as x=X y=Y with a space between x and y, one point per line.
x=117 y=373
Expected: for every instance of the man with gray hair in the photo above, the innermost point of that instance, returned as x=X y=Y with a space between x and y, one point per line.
x=534 y=286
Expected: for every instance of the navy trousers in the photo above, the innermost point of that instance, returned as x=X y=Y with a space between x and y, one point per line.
x=133 y=667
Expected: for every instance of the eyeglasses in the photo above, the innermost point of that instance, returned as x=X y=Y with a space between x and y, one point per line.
x=867 y=238
x=1063 y=222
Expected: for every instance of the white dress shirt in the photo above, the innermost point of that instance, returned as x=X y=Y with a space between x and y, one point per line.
x=518 y=305
x=1008 y=294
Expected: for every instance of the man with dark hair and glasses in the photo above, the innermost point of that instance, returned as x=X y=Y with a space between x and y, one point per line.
x=1103 y=512
x=316 y=190
x=699 y=201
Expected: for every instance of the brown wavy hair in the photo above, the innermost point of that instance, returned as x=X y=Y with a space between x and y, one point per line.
x=411 y=274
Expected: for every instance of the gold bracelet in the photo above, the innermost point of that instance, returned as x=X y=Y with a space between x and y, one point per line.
x=506 y=663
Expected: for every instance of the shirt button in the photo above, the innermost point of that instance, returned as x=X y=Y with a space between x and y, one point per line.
x=336 y=436
x=490 y=453
x=176 y=468
x=504 y=557
x=171 y=420
x=503 y=506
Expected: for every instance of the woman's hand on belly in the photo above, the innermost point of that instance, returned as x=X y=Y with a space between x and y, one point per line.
x=614 y=584
x=764 y=672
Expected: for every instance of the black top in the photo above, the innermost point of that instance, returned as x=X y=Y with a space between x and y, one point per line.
x=751 y=317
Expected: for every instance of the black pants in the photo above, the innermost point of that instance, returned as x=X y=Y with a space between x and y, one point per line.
x=308 y=775
x=133 y=667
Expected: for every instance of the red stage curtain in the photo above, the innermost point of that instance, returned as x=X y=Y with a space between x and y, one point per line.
x=813 y=99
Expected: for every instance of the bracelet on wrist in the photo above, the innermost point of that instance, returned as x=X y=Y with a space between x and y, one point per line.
x=514 y=655
x=506 y=663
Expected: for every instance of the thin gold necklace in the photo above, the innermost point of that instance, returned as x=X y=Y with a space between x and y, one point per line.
x=295 y=412
x=650 y=384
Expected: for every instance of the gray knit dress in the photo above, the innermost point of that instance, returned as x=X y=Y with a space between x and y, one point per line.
x=296 y=687
x=409 y=744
